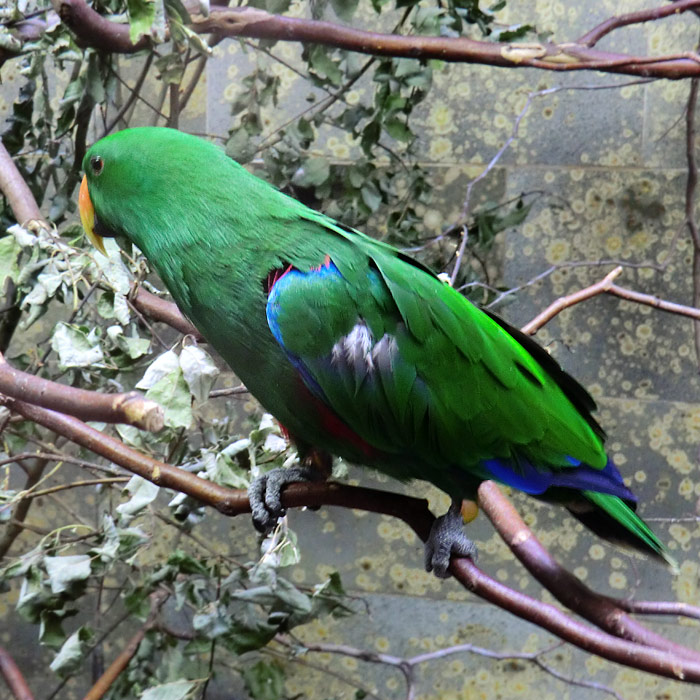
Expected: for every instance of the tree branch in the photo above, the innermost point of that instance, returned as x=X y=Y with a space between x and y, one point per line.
x=116 y=668
x=16 y=190
x=131 y=408
x=601 y=611
x=565 y=302
x=592 y=37
x=92 y=29
x=161 y=310
x=13 y=677
x=412 y=511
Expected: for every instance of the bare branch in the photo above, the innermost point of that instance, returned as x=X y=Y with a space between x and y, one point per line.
x=654 y=301
x=16 y=190
x=161 y=310
x=13 y=677
x=592 y=37
x=131 y=408
x=117 y=666
x=565 y=302
x=413 y=511
x=92 y=29
x=601 y=611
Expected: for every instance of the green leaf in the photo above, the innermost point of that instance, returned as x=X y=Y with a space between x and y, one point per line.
x=344 y=9
x=113 y=268
x=143 y=493
x=314 y=171
x=75 y=347
x=9 y=255
x=199 y=371
x=264 y=680
x=133 y=347
x=71 y=654
x=212 y=622
x=178 y=690
x=142 y=14
x=321 y=63
x=398 y=130
x=64 y=572
x=163 y=365
x=173 y=394
x=371 y=196
x=240 y=146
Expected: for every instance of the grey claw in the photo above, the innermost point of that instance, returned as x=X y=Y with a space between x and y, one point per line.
x=265 y=494
x=447 y=538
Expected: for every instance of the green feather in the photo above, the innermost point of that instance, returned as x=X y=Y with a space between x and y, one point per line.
x=623 y=514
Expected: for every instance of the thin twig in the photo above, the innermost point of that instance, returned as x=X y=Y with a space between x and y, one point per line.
x=117 y=667
x=565 y=302
x=592 y=37
x=690 y=186
x=133 y=96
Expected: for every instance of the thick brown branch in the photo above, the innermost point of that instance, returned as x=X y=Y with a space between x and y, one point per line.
x=15 y=189
x=413 y=511
x=131 y=408
x=557 y=57
x=13 y=677
x=91 y=29
x=161 y=310
x=602 y=612
x=94 y=30
x=555 y=621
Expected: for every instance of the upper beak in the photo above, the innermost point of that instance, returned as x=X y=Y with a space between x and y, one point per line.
x=87 y=217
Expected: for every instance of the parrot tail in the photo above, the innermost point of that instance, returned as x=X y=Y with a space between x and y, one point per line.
x=616 y=521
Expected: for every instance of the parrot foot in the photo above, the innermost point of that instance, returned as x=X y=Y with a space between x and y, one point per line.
x=447 y=538
x=265 y=494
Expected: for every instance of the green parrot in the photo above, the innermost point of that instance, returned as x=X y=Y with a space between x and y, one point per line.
x=357 y=349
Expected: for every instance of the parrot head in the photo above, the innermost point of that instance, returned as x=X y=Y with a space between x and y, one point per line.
x=143 y=183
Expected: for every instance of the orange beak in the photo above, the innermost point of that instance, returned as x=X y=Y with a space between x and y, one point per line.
x=87 y=217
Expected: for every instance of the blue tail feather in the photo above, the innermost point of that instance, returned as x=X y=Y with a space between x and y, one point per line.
x=523 y=475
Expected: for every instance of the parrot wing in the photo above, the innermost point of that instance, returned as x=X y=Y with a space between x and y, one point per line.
x=415 y=369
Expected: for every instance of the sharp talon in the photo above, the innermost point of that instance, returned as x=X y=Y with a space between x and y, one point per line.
x=447 y=538
x=265 y=495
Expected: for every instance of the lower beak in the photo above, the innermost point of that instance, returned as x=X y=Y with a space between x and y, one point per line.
x=87 y=217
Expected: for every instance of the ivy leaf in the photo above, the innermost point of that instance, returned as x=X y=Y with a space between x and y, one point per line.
x=212 y=621
x=199 y=371
x=173 y=394
x=113 y=268
x=143 y=493
x=72 y=652
x=163 y=365
x=322 y=64
x=264 y=680
x=313 y=172
x=240 y=146
x=9 y=254
x=63 y=572
x=133 y=347
x=142 y=14
x=75 y=347
x=178 y=690
x=344 y=9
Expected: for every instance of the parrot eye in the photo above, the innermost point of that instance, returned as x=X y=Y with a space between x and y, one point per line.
x=97 y=164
